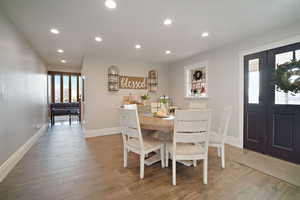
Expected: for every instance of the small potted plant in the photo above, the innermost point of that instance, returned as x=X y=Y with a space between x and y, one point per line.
x=144 y=98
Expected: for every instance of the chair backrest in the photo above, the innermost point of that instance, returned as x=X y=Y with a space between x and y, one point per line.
x=192 y=126
x=130 y=124
x=130 y=106
x=155 y=107
x=197 y=105
x=224 y=121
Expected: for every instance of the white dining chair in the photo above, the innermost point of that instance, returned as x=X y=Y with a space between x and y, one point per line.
x=134 y=141
x=217 y=138
x=155 y=107
x=197 y=105
x=190 y=139
x=130 y=106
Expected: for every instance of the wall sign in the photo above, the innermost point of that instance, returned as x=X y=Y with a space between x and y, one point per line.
x=130 y=82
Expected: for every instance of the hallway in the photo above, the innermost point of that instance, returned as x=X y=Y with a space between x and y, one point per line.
x=63 y=165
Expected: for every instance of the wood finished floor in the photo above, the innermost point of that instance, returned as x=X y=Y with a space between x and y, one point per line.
x=63 y=165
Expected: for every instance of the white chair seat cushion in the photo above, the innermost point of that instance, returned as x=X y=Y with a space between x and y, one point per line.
x=149 y=143
x=187 y=149
x=215 y=138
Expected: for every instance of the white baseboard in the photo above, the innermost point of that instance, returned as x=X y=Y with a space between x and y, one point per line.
x=234 y=141
x=11 y=162
x=102 y=132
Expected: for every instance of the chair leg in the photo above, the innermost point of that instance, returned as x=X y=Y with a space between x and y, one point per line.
x=167 y=158
x=219 y=151
x=125 y=157
x=205 y=171
x=142 y=165
x=195 y=163
x=223 y=157
x=174 y=171
x=162 y=156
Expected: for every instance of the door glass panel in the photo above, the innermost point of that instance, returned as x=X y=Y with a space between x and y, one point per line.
x=66 y=89
x=74 y=88
x=253 y=85
x=57 y=96
x=298 y=55
x=280 y=96
x=49 y=90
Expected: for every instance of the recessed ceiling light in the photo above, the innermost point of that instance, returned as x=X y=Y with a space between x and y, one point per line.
x=63 y=61
x=205 y=34
x=168 y=52
x=54 y=31
x=138 y=46
x=111 y=4
x=60 y=51
x=167 y=22
x=98 y=39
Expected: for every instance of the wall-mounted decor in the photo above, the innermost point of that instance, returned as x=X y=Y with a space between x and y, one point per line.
x=113 y=78
x=198 y=85
x=196 y=80
x=130 y=82
x=153 y=81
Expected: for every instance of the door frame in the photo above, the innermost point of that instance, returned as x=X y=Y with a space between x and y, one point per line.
x=239 y=142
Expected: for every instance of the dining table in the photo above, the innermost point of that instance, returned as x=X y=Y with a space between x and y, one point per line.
x=163 y=126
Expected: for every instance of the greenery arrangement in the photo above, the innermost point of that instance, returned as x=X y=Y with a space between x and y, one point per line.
x=163 y=100
x=287 y=77
x=145 y=97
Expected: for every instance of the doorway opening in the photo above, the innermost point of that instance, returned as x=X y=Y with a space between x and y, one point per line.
x=65 y=96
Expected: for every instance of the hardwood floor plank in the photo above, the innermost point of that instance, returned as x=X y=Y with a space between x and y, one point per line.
x=64 y=165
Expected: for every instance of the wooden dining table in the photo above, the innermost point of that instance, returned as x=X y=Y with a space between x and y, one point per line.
x=149 y=122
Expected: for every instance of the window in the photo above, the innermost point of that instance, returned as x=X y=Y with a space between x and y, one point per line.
x=280 y=96
x=80 y=88
x=66 y=92
x=49 y=89
x=298 y=55
x=74 y=87
x=196 y=81
x=57 y=89
x=63 y=87
x=253 y=82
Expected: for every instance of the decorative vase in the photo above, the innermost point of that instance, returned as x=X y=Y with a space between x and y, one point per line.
x=163 y=108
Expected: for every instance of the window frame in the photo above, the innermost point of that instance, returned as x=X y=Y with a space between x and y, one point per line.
x=187 y=79
x=62 y=74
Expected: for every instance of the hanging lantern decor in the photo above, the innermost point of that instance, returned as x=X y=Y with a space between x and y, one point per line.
x=153 y=81
x=113 y=78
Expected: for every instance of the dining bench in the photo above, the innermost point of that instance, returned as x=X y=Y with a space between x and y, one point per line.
x=61 y=109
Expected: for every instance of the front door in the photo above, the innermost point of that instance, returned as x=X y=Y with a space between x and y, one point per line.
x=255 y=102
x=272 y=118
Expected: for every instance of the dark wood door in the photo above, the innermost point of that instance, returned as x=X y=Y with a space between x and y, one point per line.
x=255 y=102
x=283 y=111
x=271 y=117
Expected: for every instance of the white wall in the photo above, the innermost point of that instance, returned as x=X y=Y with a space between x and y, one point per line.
x=23 y=87
x=101 y=106
x=225 y=81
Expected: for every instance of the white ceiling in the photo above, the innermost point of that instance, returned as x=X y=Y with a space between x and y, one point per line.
x=141 y=21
